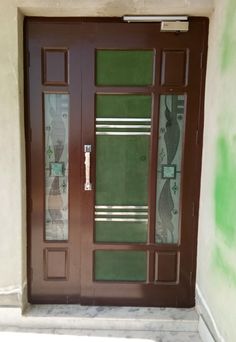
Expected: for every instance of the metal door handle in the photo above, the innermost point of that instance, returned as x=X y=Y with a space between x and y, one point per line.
x=87 y=152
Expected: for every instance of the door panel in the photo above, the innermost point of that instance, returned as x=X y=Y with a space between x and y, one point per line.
x=124 y=67
x=133 y=95
x=169 y=165
x=53 y=270
x=56 y=135
x=120 y=266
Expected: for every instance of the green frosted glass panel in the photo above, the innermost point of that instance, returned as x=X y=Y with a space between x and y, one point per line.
x=120 y=265
x=121 y=232
x=56 y=120
x=170 y=151
x=122 y=170
x=123 y=106
x=124 y=67
x=123 y=124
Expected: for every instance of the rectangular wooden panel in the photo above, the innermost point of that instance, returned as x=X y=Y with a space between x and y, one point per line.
x=55 y=66
x=174 y=67
x=167 y=267
x=55 y=263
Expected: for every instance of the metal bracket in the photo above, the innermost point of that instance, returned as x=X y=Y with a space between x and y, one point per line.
x=174 y=26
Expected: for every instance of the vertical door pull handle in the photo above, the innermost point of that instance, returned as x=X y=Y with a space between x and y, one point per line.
x=87 y=153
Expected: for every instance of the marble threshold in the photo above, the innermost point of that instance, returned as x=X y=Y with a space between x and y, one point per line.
x=100 y=318
x=66 y=335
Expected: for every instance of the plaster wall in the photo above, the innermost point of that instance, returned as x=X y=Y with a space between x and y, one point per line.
x=216 y=275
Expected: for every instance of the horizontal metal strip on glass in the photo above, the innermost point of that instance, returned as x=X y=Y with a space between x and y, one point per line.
x=121 y=207
x=160 y=171
x=103 y=219
x=123 y=126
x=129 y=213
x=123 y=133
x=123 y=119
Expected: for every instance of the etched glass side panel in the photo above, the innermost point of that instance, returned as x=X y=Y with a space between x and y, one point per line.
x=170 y=151
x=56 y=118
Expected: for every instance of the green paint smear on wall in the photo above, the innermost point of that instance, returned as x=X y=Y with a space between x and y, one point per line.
x=225 y=192
x=221 y=264
x=228 y=49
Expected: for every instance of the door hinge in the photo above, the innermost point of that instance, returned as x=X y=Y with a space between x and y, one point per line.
x=31 y=205
x=31 y=274
x=197 y=137
x=30 y=134
x=191 y=278
x=28 y=59
x=201 y=60
x=193 y=209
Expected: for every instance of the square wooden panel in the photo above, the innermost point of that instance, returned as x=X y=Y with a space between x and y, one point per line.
x=174 y=68
x=55 y=65
x=55 y=263
x=167 y=267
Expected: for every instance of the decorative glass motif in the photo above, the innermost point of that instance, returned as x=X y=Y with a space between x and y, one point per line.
x=171 y=135
x=169 y=171
x=57 y=169
x=56 y=113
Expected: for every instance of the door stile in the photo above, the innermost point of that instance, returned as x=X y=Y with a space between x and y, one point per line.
x=153 y=167
x=199 y=150
x=88 y=138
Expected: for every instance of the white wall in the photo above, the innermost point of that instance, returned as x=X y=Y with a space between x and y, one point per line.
x=216 y=275
x=12 y=185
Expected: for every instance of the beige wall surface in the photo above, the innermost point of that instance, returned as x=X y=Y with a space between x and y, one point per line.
x=216 y=276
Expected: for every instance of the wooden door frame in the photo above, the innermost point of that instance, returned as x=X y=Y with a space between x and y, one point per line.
x=199 y=136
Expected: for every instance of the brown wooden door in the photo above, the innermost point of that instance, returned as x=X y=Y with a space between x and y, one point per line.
x=128 y=100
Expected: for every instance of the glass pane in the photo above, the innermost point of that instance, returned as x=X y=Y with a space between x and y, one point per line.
x=122 y=161
x=56 y=114
x=124 y=67
x=121 y=231
x=170 y=150
x=122 y=170
x=120 y=265
x=123 y=106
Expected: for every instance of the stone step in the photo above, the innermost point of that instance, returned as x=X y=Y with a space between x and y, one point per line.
x=68 y=335
x=101 y=318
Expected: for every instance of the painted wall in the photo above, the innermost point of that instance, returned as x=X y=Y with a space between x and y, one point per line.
x=216 y=276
